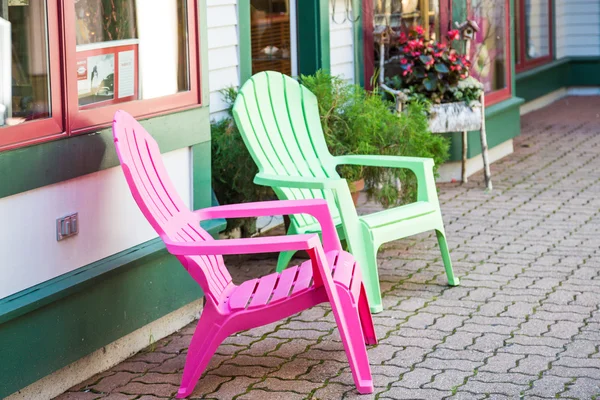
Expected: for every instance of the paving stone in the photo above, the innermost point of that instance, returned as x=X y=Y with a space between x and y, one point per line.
x=488 y=342
x=402 y=393
x=504 y=388
x=110 y=383
x=583 y=388
x=459 y=364
x=547 y=386
x=296 y=385
x=157 y=389
x=78 y=396
x=532 y=363
x=448 y=380
x=417 y=377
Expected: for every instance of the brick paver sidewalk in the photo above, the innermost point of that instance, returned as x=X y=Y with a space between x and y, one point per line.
x=525 y=322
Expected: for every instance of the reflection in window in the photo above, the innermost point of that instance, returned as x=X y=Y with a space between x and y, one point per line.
x=130 y=49
x=537 y=28
x=489 y=58
x=395 y=16
x=24 y=76
x=272 y=35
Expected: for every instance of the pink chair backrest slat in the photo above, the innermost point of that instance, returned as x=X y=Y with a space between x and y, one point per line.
x=158 y=200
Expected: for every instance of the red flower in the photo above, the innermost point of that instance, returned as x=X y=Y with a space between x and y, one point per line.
x=404 y=61
x=463 y=76
x=402 y=38
x=453 y=34
x=418 y=30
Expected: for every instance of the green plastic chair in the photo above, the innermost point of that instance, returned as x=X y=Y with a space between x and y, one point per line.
x=279 y=122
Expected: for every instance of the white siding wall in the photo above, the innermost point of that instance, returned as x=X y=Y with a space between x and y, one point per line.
x=342 y=40
x=223 y=53
x=109 y=222
x=577 y=28
x=223 y=49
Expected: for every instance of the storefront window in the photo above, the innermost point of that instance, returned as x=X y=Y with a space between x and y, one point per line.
x=130 y=50
x=490 y=51
x=24 y=67
x=273 y=36
x=391 y=17
x=401 y=15
x=533 y=22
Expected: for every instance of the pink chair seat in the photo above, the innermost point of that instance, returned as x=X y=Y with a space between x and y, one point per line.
x=295 y=281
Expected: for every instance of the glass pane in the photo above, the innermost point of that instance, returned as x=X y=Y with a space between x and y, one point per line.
x=271 y=36
x=537 y=29
x=24 y=69
x=399 y=16
x=489 y=50
x=130 y=49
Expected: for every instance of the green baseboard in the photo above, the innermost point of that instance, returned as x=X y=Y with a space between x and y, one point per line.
x=563 y=73
x=503 y=122
x=51 y=325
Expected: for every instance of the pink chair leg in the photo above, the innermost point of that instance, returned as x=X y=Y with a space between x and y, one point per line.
x=207 y=338
x=349 y=325
x=366 y=320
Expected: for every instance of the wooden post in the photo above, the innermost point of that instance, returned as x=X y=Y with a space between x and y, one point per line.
x=465 y=134
x=484 y=147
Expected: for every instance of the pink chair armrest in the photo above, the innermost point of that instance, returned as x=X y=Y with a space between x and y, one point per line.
x=270 y=244
x=317 y=208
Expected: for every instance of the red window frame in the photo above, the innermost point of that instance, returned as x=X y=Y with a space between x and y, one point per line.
x=67 y=118
x=523 y=63
x=506 y=93
x=368 y=42
x=32 y=132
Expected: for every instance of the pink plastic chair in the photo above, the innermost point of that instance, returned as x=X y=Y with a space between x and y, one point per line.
x=330 y=275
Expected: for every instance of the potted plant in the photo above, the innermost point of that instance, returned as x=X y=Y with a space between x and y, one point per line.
x=435 y=73
x=356 y=121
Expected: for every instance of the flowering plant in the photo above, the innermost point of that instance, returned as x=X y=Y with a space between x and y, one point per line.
x=430 y=71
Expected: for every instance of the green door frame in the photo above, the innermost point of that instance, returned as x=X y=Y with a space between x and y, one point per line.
x=313 y=28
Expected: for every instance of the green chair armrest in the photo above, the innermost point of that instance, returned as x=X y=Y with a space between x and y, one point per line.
x=385 y=161
x=298 y=182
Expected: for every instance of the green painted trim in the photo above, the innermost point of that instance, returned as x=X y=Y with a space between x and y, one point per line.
x=313 y=29
x=245 y=40
x=359 y=48
x=201 y=175
x=60 y=160
x=142 y=285
x=585 y=71
x=563 y=73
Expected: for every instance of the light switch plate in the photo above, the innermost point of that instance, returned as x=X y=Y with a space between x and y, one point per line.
x=67 y=226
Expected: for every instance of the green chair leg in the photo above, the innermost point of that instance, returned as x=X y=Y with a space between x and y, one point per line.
x=284 y=259
x=286 y=256
x=452 y=280
x=371 y=279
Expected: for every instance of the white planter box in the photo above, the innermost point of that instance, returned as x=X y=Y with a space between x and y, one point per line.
x=454 y=117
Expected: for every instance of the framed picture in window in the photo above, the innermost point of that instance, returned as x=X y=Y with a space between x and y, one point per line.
x=107 y=73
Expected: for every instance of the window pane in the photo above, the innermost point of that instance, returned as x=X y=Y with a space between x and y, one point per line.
x=537 y=30
x=130 y=50
x=489 y=59
x=271 y=36
x=24 y=69
x=399 y=16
